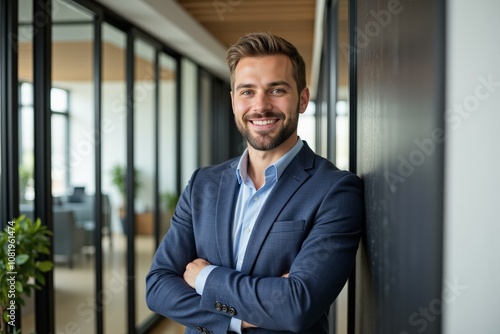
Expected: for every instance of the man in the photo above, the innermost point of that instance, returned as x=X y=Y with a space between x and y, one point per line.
x=265 y=242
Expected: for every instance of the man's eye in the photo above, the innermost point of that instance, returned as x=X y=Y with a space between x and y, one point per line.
x=278 y=91
x=246 y=92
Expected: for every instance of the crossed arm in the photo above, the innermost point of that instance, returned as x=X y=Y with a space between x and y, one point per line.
x=317 y=274
x=194 y=268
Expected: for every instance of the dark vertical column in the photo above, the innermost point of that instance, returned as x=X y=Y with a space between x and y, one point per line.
x=178 y=108
x=332 y=77
x=400 y=107
x=42 y=81
x=222 y=122
x=130 y=181
x=320 y=97
x=353 y=76
x=98 y=198
x=9 y=110
x=157 y=151
x=9 y=113
x=200 y=73
x=353 y=86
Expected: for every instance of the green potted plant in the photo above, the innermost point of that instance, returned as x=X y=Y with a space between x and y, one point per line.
x=22 y=242
x=25 y=180
x=168 y=203
x=170 y=200
x=119 y=180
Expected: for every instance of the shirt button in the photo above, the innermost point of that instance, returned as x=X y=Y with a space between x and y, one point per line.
x=256 y=198
x=247 y=230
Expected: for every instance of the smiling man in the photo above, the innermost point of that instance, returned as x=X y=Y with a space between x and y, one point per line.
x=262 y=243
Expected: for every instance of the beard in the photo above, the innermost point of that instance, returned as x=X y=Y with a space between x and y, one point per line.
x=268 y=140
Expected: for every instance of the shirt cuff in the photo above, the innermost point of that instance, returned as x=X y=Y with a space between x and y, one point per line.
x=199 y=284
x=235 y=325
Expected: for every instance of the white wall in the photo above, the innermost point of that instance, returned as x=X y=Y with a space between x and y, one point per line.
x=472 y=183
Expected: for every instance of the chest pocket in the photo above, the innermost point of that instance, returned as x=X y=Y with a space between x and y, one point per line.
x=288 y=226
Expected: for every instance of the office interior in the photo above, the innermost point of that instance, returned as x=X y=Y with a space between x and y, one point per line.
x=108 y=106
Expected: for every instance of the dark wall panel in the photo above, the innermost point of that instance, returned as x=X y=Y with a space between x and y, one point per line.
x=400 y=104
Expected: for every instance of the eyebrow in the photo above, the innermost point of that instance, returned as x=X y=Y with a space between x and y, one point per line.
x=269 y=85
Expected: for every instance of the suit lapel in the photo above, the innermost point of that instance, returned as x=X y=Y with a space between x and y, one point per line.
x=290 y=181
x=227 y=195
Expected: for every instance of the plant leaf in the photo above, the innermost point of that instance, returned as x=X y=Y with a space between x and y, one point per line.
x=22 y=259
x=45 y=266
x=19 y=287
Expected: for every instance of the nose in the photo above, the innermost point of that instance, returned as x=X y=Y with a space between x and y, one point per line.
x=262 y=102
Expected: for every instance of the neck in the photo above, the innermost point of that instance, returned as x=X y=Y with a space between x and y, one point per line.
x=258 y=161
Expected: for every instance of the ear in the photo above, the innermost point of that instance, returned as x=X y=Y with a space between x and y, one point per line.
x=304 y=100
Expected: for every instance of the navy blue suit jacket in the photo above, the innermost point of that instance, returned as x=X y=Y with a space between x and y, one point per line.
x=310 y=226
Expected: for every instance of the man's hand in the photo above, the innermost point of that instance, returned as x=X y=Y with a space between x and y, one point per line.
x=245 y=324
x=193 y=269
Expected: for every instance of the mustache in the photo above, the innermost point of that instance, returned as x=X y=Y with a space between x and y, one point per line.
x=265 y=114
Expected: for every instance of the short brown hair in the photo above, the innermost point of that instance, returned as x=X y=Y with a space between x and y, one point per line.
x=265 y=44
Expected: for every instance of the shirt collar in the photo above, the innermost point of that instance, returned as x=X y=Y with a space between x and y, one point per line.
x=279 y=166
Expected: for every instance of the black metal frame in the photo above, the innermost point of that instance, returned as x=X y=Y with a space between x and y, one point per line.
x=199 y=110
x=9 y=114
x=156 y=186
x=331 y=64
x=178 y=99
x=130 y=181
x=42 y=82
x=9 y=111
x=98 y=198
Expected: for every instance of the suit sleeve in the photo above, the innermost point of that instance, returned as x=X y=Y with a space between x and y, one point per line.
x=316 y=276
x=166 y=291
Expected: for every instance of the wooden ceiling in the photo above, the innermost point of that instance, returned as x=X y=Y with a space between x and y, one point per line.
x=227 y=20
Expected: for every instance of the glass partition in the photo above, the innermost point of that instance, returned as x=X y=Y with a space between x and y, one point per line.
x=26 y=133
x=206 y=115
x=167 y=172
x=114 y=134
x=74 y=139
x=73 y=172
x=189 y=120
x=144 y=164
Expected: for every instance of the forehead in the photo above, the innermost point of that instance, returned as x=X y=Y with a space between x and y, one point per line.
x=271 y=67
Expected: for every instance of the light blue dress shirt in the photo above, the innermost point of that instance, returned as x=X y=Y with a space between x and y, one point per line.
x=250 y=202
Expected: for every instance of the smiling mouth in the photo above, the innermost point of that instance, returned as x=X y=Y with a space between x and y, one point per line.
x=264 y=122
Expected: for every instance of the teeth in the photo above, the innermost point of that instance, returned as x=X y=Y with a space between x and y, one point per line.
x=264 y=122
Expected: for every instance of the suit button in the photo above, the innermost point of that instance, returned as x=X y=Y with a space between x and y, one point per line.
x=224 y=308
x=232 y=311
x=218 y=306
